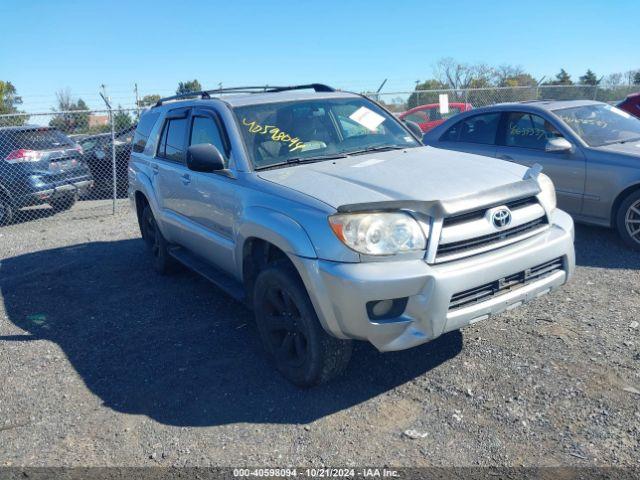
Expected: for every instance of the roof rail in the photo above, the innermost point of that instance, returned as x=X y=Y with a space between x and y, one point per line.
x=318 y=87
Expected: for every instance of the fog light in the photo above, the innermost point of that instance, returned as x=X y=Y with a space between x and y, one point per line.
x=386 y=309
x=382 y=307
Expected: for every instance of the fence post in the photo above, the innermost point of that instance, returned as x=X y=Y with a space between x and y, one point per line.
x=113 y=154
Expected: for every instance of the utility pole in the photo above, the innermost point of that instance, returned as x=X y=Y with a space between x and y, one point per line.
x=103 y=94
x=135 y=89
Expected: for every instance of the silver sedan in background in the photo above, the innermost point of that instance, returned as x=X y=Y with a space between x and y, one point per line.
x=590 y=150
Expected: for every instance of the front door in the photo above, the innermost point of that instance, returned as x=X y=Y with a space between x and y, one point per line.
x=215 y=197
x=523 y=137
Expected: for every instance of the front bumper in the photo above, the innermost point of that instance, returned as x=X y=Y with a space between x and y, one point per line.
x=340 y=291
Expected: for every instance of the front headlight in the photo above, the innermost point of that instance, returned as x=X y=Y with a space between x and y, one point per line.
x=378 y=233
x=547 y=196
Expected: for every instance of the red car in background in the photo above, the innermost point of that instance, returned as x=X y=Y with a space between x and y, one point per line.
x=631 y=104
x=429 y=116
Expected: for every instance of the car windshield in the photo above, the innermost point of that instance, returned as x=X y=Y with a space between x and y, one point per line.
x=315 y=130
x=601 y=125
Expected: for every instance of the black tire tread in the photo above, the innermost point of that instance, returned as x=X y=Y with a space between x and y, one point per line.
x=334 y=353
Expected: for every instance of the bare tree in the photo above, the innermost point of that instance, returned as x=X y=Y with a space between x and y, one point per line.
x=457 y=75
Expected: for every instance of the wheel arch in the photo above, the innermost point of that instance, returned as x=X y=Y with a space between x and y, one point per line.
x=267 y=236
x=620 y=198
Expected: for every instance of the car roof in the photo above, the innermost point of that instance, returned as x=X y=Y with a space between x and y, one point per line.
x=25 y=128
x=545 y=104
x=245 y=99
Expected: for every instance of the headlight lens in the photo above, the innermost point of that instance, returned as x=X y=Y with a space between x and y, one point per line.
x=378 y=233
x=548 y=194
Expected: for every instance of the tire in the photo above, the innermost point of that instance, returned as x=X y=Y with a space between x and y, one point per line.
x=163 y=262
x=64 y=203
x=628 y=220
x=6 y=211
x=290 y=331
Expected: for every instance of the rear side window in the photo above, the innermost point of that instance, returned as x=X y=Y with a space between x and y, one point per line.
x=477 y=129
x=173 y=137
x=36 y=139
x=147 y=121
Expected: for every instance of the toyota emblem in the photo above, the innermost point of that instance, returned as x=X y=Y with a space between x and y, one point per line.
x=501 y=217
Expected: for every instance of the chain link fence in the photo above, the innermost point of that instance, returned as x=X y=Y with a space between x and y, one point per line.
x=55 y=162
x=399 y=102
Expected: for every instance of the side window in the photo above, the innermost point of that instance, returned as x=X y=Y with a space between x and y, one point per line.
x=205 y=130
x=526 y=130
x=477 y=129
x=172 y=143
x=143 y=130
x=418 y=117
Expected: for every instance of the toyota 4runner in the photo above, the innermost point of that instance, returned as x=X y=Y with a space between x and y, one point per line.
x=327 y=215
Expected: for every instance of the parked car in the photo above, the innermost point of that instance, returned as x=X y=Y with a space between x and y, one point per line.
x=590 y=150
x=429 y=116
x=98 y=155
x=39 y=165
x=631 y=104
x=327 y=215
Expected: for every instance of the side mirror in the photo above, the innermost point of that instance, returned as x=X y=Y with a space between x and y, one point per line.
x=558 y=145
x=204 y=157
x=414 y=127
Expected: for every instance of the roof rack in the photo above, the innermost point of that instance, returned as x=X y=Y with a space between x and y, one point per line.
x=206 y=94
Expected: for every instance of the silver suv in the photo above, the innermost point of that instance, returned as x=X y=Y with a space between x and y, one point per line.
x=333 y=222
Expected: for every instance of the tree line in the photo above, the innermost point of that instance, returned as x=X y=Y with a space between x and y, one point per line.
x=449 y=74
x=70 y=115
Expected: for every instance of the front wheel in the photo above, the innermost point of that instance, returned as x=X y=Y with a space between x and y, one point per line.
x=628 y=220
x=290 y=331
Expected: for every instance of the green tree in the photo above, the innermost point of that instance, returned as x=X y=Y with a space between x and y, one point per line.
x=188 y=86
x=636 y=78
x=589 y=78
x=562 y=78
x=416 y=99
x=72 y=116
x=9 y=101
x=121 y=119
x=148 y=100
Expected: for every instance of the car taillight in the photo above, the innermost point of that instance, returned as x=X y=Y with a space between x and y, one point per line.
x=22 y=155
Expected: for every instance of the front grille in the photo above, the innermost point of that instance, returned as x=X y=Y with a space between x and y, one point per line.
x=504 y=285
x=474 y=243
x=478 y=214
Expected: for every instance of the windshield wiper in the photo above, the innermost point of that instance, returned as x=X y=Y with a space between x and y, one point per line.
x=300 y=160
x=626 y=140
x=379 y=148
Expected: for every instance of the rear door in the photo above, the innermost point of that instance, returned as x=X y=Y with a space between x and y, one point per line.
x=522 y=139
x=171 y=177
x=475 y=134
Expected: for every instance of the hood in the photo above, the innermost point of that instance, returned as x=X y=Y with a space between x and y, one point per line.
x=423 y=173
x=630 y=148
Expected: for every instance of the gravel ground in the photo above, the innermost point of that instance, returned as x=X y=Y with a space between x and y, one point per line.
x=103 y=362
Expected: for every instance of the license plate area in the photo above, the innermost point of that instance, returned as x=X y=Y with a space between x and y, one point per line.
x=58 y=166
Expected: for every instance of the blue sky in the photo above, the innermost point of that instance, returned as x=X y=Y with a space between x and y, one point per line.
x=50 y=45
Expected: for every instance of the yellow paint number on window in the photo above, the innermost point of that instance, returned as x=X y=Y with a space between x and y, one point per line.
x=275 y=133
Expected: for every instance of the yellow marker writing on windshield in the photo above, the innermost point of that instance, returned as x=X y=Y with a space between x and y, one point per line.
x=276 y=134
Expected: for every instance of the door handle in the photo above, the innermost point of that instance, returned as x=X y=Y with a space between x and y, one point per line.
x=186 y=179
x=505 y=157
x=155 y=169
